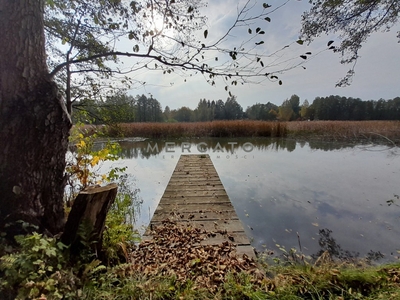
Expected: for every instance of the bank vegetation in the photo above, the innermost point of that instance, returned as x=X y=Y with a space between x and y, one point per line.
x=348 y=131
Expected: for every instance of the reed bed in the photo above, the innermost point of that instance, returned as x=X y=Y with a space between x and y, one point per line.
x=200 y=129
x=375 y=131
x=348 y=131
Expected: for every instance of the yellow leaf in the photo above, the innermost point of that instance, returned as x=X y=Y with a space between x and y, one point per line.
x=82 y=143
x=81 y=136
x=315 y=224
x=94 y=161
x=103 y=153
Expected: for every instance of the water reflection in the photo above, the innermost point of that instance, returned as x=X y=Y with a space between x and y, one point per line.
x=282 y=188
x=151 y=147
x=329 y=245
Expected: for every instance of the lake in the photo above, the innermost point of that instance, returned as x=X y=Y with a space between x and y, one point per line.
x=289 y=194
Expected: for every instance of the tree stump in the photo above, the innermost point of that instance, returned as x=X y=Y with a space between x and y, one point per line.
x=89 y=210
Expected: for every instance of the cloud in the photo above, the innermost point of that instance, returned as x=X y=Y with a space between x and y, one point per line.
x=377 y=71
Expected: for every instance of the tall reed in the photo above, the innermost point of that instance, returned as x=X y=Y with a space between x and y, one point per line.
x=200 y=129
x=388 y=131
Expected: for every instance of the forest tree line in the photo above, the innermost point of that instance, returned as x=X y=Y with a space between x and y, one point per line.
x=123 y=108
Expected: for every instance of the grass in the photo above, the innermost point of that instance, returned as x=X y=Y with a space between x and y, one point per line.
x=199 y=129
x=376 y=131
x=41 y=269
x=324 y=281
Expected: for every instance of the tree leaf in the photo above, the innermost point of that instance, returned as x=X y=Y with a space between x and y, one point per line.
x=300 y=42
x=330 y=43
x=280 y=82
x=303 y=56
x=260 y=43
x=205 y=33
x=258 y=29
x=261 y=63
x=265 y=5
x=268 y=19
x=250 y=31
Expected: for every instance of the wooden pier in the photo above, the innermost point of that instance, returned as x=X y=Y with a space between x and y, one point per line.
x=196 y=195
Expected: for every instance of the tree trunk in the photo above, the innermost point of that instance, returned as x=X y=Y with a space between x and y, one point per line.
x=90 y=210
x=34 y=125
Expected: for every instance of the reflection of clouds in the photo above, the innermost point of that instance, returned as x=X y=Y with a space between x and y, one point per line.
x=291 y=191
x=152 y=177
x=278 y=192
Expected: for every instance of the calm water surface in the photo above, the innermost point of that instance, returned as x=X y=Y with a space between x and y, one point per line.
x=285 y=191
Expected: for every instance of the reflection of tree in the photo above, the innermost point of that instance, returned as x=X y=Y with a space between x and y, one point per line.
x=329 y=244
x=326 y=146
x=135 y=149
x=129 y=193
x=148 y=148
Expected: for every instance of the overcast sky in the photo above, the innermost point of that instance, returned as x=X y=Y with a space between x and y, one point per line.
x=377 y=71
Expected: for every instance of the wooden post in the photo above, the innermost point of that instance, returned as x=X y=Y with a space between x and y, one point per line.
x=90 y=209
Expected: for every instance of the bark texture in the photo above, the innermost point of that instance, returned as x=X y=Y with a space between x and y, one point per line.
x=90 y=209
x=34 y=125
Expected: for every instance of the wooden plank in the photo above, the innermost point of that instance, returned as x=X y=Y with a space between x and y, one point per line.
x=194 y=187
x=195 y=197
x=195 y=215
x=212 y=225
x=195 y=193
x=183 y=200
x=237 y=238
x=225 y=206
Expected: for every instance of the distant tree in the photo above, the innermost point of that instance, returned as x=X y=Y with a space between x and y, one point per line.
x=201 y=113
x=305 y=110
x=355 y=21
x=286 y=112
x=155 y=110
x=184 y=114
x=369 y=110
x=233 y=110
x=393 y=109
x=211 y=110
x=295 y=103
x=342 y=108
x=260 y=111
x=379 y=109
x=120 y=108
x=219 y=111
x=148 y=109
x=167 y=114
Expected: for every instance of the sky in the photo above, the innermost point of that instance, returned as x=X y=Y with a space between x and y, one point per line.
x=377 y=71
